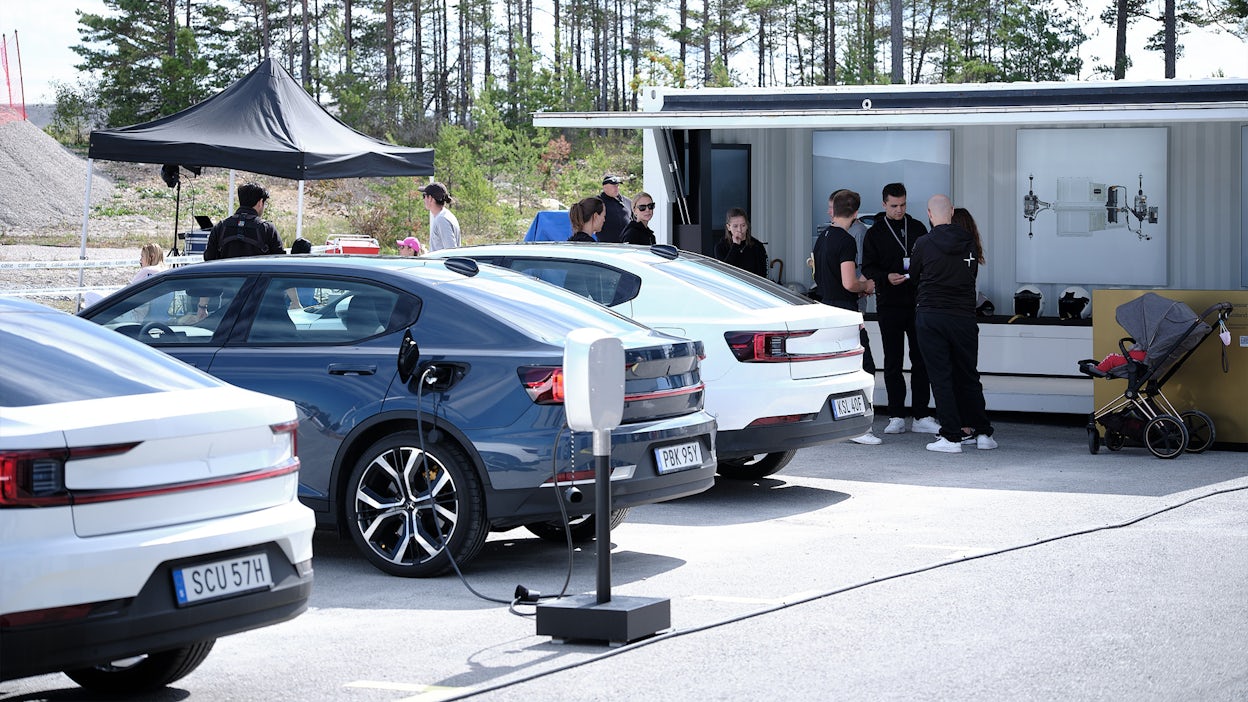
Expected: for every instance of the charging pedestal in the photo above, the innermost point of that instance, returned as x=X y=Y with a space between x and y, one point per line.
x=593 y=372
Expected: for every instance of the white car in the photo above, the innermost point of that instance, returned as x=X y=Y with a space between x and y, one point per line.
x=782 y=372
x=147 y=508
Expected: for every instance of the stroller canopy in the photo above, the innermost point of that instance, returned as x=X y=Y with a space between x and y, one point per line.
x=1160 y=326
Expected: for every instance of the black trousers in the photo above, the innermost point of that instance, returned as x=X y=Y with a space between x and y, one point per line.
x=868 y=363
x=896 y=324
x=950 y=346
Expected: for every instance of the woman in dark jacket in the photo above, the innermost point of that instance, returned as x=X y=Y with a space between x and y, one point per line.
x=738 y=247
x=587 y=217
x=638 y=230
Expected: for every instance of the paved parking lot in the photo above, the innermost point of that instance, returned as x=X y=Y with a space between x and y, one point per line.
x=1035 y=571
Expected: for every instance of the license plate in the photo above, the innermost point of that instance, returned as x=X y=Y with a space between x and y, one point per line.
x=210 y=581
x=848 y=406
x=673 y=458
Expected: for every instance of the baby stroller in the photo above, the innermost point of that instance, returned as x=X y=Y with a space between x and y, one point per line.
x=1167 y=332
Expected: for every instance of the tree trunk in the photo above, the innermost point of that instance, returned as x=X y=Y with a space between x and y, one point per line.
x=348 y=47
x=1170 y=30
x=1120 y=42
x=307 y=50
x=898 y=72
x=829 y=61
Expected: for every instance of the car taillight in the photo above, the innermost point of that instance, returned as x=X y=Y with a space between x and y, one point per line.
x=36 y=478
x=290 y=428
x=543 y=383
x=772 y=347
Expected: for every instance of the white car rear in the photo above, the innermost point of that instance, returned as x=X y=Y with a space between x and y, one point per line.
x=147 y=508
x=781 y=372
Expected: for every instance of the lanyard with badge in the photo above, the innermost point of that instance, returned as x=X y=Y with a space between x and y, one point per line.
x=903 y=241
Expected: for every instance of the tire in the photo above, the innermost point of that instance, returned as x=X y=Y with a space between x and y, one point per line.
x=755 y=467
x=1165 y=436
x=583 y=528
x=145 y=673
x=1094 y=440
x=404 y=513
x=1200 y=431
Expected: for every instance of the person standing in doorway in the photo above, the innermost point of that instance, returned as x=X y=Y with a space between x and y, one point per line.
x=619 y=209
x=836 y=269
x=886 y=252
x=443 y=227
x=738 y=247
x=946 y=264
x=244 y=233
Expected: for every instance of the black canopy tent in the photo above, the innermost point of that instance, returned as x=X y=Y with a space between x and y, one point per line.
x=262 y=123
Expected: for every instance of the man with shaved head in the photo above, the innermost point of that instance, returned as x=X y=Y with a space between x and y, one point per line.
x=945 y=264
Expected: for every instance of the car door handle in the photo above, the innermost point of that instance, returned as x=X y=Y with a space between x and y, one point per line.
x=352 y=369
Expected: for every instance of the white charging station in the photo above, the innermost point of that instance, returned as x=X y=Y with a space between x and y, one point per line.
x=593 y=385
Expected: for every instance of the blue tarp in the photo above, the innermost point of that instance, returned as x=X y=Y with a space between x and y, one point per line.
x=550 y=225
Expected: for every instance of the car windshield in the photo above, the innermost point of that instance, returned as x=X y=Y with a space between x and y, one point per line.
x=732 y=284
x=50 y=358
x=540 y=309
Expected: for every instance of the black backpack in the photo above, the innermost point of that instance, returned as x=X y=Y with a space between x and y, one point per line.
x=241 y=230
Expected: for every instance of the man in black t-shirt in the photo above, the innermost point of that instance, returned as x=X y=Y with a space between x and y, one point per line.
x=836 y=270
x=244 y=233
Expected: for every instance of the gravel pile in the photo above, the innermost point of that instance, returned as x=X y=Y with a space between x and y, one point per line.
x=41 y=183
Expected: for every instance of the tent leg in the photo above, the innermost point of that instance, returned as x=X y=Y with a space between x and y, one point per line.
x=229 y=196
x=299 y=217
x=82 y=249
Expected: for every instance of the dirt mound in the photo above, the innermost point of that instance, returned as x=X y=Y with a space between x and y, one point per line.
x=42 y=183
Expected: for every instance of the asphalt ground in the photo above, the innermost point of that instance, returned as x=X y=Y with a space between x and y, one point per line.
x=1035 y=571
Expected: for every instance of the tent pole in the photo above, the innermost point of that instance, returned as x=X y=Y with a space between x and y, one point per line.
x=299 y=217
x=229 y=196
x=82 y=249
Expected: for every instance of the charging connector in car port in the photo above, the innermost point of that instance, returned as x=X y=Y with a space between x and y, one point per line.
x=440 y=376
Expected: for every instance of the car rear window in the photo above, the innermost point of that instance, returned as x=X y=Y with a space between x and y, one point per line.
x=540 y=309
x=732 y=284
x=54 y=357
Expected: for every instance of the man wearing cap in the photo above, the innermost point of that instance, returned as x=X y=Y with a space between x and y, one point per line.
x=443 y=228
x=619 y=209
x=244 y=233
x=409 y=246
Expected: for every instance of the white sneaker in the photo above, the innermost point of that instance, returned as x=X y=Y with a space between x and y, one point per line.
x=896 y=425
x=944 y=445
x=968 y=438
x=985 y=442
x=925 y=425
x=869 y=439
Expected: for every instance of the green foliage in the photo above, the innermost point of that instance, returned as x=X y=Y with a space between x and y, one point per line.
x=76 y=112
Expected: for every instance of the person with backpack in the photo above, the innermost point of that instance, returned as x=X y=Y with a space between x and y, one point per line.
x=244 y=233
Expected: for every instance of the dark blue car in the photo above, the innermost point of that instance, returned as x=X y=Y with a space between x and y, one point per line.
x=429 y=393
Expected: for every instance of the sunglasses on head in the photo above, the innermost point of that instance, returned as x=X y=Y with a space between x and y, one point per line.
x=649 y=206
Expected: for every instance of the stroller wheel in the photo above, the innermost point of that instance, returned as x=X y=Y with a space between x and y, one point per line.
x=1165 y=436
x=1094 y=440
x=1114 y=441
x=1200 y=432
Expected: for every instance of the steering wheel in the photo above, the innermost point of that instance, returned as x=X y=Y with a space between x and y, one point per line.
x=160 y=329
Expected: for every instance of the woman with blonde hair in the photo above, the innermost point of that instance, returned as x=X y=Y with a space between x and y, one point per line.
x=587 y=218
x=152 y=260
x=638 y=230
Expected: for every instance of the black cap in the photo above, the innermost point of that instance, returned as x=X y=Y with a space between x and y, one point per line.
x=611 y=179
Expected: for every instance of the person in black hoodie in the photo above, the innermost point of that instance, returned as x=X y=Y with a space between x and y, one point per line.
x=945 y=264
x=638 y=231
x=587 y=217
x=886 y=251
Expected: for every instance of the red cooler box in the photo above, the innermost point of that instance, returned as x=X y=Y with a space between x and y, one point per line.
x=349 y=245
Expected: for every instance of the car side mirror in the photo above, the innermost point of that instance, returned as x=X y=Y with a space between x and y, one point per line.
x=409 y=356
